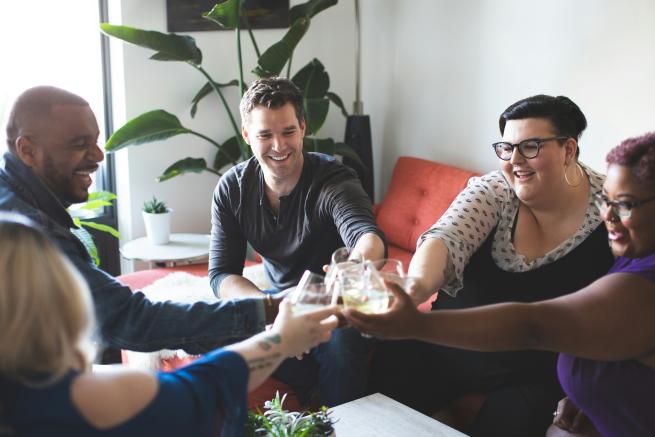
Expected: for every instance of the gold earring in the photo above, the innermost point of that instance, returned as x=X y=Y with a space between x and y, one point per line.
x=566 y=178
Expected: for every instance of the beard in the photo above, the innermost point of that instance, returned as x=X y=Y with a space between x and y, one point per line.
x=61 y=185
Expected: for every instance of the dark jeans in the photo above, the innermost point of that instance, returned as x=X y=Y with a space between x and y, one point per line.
x=337 y=370
x=520 y=399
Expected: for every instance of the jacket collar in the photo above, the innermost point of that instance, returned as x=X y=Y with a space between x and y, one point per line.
x=28 y=186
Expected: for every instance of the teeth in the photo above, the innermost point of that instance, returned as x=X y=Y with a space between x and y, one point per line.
x=279 y=158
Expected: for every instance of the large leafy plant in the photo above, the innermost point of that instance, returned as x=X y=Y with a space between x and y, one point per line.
x=312 y=79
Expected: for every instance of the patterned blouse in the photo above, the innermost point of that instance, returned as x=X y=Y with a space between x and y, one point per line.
x=488 y=201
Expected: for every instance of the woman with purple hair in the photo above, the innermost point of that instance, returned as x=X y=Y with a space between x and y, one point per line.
x=604 y=332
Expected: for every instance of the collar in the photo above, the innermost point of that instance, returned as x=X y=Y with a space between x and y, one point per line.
x=306 y=170
x=33 y=191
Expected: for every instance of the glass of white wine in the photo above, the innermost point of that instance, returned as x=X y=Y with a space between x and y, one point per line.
x=362 y=288
x=342 y=258
x=311 y=294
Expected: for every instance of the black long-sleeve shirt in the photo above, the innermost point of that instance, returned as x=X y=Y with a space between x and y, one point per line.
x=327 y=209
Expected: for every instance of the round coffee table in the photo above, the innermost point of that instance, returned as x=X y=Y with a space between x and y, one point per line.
x=181 y=249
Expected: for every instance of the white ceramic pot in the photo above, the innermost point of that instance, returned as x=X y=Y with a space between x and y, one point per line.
x=158 y=227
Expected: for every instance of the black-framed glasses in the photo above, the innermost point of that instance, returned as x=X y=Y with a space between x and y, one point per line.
x=527 y=148
x=621 y=208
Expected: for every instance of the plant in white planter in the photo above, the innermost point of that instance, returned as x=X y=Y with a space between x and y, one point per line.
x=157 y=218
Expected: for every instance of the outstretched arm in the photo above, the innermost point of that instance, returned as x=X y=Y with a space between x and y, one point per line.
x=611 y=319
x=428 y=267
x=370 y=246
x=290 y=335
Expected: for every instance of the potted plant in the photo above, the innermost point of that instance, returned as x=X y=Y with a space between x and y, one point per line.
x=157 y=218
x=312 y=79
x=278 y=422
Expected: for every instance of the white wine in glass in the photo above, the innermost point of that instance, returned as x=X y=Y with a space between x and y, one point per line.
x=311 y=294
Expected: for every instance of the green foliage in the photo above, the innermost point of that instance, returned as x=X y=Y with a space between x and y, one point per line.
x=158 y=125
x=96 y=200
x=278 y=422
x=155 y=206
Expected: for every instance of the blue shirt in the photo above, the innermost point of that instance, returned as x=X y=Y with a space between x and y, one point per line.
x=127 y=320
x=205 y=397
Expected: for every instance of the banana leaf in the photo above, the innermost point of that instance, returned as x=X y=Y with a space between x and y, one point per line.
x=169 y=47
x=87 y=241
x=186 y=165
x=337 y=101
x=271 y=62
x=228 y=153
x=313 y=80
x=100 y=227
x=319 y=145
x=309 y=9
x=206 y=90
x=225 y=14
x=101 y=195
x=151 y=126
x=330 y=147
x=316 y=111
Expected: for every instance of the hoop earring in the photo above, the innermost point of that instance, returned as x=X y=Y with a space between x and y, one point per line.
x=566 y=178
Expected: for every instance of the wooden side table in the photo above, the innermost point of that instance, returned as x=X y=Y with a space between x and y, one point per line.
x=182 y=249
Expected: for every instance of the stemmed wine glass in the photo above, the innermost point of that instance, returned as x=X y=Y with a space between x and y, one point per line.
x=311 y=294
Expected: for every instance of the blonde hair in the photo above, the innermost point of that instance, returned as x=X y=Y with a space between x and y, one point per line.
x=46 y=311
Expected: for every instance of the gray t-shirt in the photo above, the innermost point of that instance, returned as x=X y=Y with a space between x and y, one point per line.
x=327 y=209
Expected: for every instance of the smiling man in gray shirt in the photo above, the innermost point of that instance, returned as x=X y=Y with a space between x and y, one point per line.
x=295 y=208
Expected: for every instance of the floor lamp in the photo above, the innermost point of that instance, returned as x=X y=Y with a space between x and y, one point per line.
x=358 y=125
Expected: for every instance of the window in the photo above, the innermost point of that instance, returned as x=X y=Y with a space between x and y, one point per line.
x=46 y=42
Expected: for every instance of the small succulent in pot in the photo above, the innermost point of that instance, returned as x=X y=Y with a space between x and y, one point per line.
x=155 y=206
x=278 y=422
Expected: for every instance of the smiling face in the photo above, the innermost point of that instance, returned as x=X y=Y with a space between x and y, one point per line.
x=276 y=138
x=633 y=237
x=534 y=179
x=63 y=151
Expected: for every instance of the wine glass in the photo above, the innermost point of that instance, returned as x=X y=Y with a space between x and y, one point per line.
x=362 y=288
x=341 y=258
x=311 y=294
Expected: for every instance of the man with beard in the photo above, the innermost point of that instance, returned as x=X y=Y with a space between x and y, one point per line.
x=52 y=137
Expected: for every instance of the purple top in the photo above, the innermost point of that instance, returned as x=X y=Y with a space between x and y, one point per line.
x=618 y=396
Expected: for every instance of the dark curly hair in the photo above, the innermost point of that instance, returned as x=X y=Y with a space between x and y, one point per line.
x=638 y=154
x=565 y=116
x=272 y=93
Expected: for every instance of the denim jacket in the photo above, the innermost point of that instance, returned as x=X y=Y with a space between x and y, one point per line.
x=127 y=320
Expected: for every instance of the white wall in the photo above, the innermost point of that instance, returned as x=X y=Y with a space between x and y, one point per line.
x=142 y=85
x=438 y=73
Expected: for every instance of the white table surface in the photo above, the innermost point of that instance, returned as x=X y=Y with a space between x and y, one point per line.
x=380 y=416
x=180 y=248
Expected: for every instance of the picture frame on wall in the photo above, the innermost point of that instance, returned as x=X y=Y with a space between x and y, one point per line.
x=186 y=15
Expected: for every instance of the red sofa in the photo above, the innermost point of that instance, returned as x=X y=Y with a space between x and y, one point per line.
x=420 y=191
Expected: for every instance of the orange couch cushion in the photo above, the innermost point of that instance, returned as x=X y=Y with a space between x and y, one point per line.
x=419 y=193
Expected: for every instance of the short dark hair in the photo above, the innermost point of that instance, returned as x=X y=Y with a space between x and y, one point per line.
x=565 y=116
x=36 y=104
x=273 y=93
x=638 y=154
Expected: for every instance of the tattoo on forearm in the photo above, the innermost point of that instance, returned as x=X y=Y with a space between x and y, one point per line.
x=262 y=362
x=265 y=344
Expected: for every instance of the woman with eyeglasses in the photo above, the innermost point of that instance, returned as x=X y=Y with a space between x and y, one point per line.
x=527 y=232
x=604 y=332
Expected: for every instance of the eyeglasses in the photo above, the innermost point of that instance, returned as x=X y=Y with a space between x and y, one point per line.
x=527 y=148
x=621 y=208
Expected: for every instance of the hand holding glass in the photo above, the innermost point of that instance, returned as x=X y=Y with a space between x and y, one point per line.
x=311 y=294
